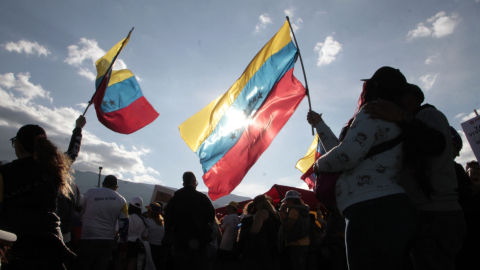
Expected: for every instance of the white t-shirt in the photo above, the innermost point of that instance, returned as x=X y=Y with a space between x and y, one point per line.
x=102 y=206
x=155 y=232
x=136 y=228
x=230 y=223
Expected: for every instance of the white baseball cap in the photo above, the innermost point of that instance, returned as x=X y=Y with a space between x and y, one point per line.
x=136 y=201
x=7 y=236
x=291 y=194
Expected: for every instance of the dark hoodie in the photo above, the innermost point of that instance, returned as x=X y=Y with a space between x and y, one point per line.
x=301 y=229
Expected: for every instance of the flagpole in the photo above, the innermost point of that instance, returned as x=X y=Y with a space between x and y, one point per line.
x=303 y=69
x=108 y=70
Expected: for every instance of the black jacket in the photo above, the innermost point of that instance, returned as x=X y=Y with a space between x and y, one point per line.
x=187 y=215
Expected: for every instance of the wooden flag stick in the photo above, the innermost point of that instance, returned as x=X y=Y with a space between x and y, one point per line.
x=303 y=69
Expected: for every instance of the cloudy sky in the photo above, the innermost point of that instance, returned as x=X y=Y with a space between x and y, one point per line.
x=187 y=53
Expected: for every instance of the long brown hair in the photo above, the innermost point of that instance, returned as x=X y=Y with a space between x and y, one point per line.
x=54 y=162
x=155 y=217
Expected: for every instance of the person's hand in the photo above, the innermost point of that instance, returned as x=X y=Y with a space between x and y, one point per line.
x=81 y=121
x=384 y=110
x=314 y=118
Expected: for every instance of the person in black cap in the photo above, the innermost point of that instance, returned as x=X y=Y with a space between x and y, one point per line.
x=29 y=187
x=428 y=177
x=380 y=217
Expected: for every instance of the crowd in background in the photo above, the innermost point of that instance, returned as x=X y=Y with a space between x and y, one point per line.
x=401 y=202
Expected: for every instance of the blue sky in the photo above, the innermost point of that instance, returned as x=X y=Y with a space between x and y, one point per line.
x=187 y=53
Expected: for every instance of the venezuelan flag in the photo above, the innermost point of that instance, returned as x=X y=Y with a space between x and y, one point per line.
x=231 y=133
x=119 y=101
x=305 y=164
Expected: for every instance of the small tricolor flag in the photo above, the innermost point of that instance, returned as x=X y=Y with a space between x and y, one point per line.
x=231 y=133
x=119 y=102
x=305 y=164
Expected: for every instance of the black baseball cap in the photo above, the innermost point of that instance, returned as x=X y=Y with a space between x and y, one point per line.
x=390 y=78
x=27 y=135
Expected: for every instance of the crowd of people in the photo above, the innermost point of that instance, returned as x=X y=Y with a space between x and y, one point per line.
x=402 y=202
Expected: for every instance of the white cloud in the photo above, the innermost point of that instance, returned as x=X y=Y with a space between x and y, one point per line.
x=430 y=59
x=428 y=80
x=27 y=47
x=444 y=25
x=459 y=115
x=18 y=109
x=420 y=31
x=264 y=19
x=467 y=117
x=295 y=22
x=28 y=90
x=327 y=51
x=82 y=105
x=88 y=51
x=441 y=26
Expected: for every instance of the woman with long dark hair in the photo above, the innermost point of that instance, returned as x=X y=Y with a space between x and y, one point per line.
x=29 y=187
x=380 y=217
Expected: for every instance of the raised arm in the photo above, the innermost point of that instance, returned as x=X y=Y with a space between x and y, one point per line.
x=328 y=139
x=76 y=139
x=350 y=152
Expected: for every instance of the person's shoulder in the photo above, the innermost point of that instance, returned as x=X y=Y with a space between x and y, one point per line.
x=427 y=111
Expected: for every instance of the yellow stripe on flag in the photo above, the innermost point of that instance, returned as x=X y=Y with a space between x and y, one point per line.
x=120 y=75
x=307 y=161
x=198 y=127
x=104 y=63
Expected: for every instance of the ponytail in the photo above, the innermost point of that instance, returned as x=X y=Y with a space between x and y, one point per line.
x=55 y=163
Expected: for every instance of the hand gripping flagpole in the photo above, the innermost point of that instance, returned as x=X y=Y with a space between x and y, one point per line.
x=108 y=71
x=303 y=69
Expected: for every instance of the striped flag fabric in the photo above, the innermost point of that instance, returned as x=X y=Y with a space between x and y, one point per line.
x=119 y=101
x=231 y=133
x=305 y=164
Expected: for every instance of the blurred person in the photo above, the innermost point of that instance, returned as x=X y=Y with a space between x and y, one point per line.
x=229 y=224
x=469 y=199
x=137 y=229
x=156 y=232
x=380 y=218
x=260 y=248
x=6 y=241
x=103 y=207
x=473 y=171
x=428 y=177
x=29 y=187
x=187 y=218
x=296 y=224
x=244 y=233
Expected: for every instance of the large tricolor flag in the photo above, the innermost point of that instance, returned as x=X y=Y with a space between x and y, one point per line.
x=305 y=164
x=119 y=102
x=231 y=133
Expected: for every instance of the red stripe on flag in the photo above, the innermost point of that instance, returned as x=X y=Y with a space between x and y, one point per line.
x=129 y=119
x=281 y=103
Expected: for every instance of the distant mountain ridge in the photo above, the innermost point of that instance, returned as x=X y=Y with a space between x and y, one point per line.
x=88 y=180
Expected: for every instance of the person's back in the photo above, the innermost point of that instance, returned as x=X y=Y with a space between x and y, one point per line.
x=187 y=218
x=103 y=206
x=441 y=170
